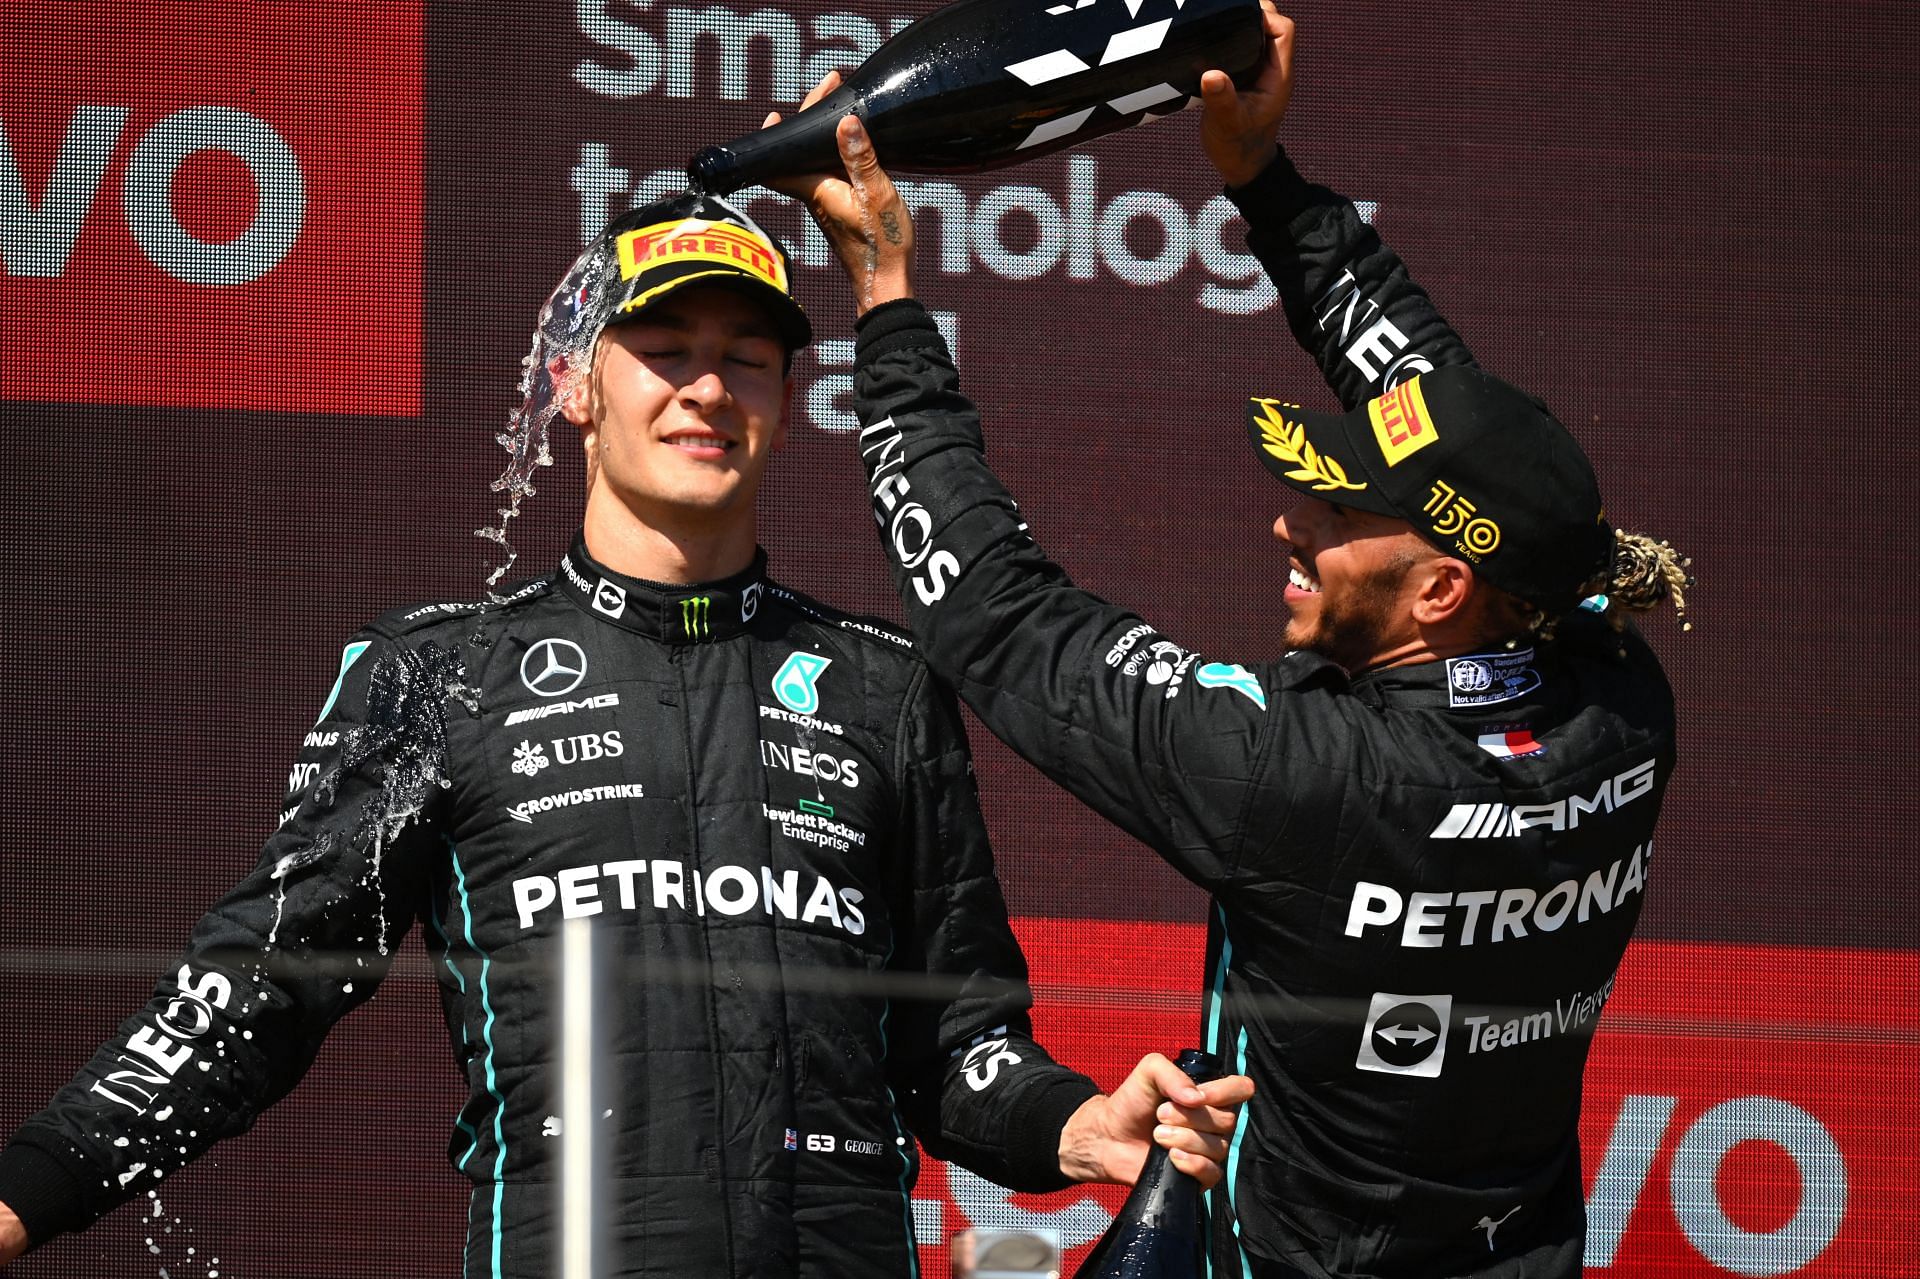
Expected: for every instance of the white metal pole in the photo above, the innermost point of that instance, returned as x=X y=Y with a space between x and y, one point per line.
x=577 y=1192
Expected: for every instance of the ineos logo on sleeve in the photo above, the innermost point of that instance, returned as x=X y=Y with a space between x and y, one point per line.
x=552 y=667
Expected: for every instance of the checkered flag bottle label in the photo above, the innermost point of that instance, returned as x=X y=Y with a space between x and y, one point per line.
x=981 y=84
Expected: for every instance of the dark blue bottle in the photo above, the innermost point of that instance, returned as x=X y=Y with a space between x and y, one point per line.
x=1158 y=1232
x=979 y=84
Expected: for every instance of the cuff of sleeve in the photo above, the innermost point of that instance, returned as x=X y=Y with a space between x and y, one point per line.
x=1033 y=1132
x=42 y=1191
x=1278 y=192
x=894 y=325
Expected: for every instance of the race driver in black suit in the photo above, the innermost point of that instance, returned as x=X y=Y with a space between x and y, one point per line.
x=1426 y=828
x=764 y=806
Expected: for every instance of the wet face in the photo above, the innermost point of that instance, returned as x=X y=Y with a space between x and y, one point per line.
x=684 y=406
x=1350 y=591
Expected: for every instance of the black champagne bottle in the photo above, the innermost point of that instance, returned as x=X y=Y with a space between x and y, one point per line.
x=979 y=84
x=1158 y=1232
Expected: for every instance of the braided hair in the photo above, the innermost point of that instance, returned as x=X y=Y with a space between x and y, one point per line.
x=1645 y=572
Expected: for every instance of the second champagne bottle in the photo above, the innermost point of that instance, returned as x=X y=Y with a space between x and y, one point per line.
x=1158 y=1233
x=980 y=84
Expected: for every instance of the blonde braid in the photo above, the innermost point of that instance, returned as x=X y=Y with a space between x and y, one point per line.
x=1646 y=572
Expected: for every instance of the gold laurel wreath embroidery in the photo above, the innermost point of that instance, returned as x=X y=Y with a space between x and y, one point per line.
x=1288 y=442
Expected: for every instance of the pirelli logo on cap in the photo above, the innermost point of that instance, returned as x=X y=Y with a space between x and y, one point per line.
x=1401 y=422
x=693 y=240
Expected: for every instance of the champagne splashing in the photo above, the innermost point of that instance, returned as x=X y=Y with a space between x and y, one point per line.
x=405 y=740
x=556 y=367
x=308 y=856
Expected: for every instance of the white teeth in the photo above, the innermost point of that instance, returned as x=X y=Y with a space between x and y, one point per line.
x=1299 y=579
x=699 y=442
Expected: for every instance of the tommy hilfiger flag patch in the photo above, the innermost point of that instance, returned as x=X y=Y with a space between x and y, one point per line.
x=1517 y=744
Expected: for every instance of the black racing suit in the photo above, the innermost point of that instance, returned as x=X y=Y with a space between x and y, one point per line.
x=767 y=810
x=1423 y=877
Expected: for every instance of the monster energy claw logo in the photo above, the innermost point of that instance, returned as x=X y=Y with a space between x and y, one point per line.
x=694 y=612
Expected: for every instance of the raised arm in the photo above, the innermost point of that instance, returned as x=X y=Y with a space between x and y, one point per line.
x=1348 y=298
x=295 y=946
x=1159 y=740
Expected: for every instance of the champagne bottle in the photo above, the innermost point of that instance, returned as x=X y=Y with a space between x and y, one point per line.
x=1157 y=1234
x=979 y=84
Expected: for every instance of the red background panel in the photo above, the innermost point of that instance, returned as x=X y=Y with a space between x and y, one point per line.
x=335 y=325
x=1832 y=1033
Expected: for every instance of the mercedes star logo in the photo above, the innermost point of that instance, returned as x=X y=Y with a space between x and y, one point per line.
x=552 y=667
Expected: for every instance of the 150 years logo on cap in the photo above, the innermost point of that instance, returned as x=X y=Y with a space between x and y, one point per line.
x=1454 y=516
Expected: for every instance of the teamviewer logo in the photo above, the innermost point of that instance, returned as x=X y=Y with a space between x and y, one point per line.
x=1406 y=1034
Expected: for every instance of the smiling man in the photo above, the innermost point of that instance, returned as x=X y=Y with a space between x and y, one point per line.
x=766 y=807
x=1426 y=829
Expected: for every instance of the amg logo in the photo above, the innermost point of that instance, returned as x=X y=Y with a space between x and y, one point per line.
x=600 y=702
x=1500 y=821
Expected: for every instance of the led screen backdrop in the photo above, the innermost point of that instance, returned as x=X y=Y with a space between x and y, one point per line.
x=269 y=269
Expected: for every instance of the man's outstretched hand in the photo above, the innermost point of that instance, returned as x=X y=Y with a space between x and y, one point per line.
x=858 y=211
x=1237 y=126
x=1108 y=1137
x=13 y=1235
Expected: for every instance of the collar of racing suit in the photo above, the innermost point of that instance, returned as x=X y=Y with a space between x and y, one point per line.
x=684 y=614
x=1495 y=683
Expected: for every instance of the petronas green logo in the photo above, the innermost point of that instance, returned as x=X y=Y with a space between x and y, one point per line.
x=695 y=610
x=794 y=682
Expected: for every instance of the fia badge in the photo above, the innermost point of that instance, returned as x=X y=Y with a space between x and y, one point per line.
x=1487 y=679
